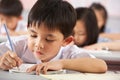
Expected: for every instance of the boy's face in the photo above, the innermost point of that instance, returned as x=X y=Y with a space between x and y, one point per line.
x=11 y=21
x=44 y=43
x=80 y=34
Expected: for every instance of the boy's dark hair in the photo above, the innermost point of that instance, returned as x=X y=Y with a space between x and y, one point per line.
x=87 y=15
x=11 y=7
x=54 y=14
x=100 y=7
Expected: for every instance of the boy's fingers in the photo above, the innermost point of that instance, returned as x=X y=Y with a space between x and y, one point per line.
x=45 y=69
x=12 y=54
x=40 y=68
x=16 y=58
x=19 y=62
x=33 y=68
x=5 y=67
x=6 y=63
x=5 y=60
x=11 y=60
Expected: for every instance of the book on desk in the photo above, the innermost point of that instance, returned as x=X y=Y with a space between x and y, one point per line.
x=24 y=67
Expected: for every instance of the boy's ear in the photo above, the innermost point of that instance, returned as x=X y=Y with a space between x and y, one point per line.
x=67 y=41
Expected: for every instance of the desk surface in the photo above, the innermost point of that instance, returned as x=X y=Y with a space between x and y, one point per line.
x=5 y=75
x=85 y=76
x=111 y=56
x=109 y=75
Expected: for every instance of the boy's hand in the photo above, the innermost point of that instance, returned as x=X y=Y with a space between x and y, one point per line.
x=9 y=60
x=44 y=67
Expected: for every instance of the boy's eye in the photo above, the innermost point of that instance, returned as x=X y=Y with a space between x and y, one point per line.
x=48 y=40
x=34 y=36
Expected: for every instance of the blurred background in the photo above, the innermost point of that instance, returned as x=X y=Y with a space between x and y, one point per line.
x=112 y=7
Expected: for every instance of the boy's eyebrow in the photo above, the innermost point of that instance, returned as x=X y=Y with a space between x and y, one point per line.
x=51 y=35
x=48 y=35
x=32 y=31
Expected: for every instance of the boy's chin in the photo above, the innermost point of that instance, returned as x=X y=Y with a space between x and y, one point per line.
x=40 y=58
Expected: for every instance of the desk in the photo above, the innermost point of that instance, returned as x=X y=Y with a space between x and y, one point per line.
x=109 y=75
x=113 y=56
x=5 y=75
x=85 y=76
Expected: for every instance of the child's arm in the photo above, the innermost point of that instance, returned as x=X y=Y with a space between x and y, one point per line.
x=113 y=46
x=92 y=65
x=9 y=60
x=113 y=36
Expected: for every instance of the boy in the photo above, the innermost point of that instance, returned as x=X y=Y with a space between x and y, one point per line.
x=50 y=24
x=10 y=13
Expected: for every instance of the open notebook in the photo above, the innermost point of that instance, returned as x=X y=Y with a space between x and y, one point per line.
x=22 y=69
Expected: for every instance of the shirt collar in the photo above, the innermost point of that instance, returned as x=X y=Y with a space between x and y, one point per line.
x=58 y=56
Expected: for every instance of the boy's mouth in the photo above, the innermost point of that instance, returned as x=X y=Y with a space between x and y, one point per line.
x=38 y=53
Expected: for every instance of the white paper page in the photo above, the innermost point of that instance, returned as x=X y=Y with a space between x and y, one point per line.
x=24 y=67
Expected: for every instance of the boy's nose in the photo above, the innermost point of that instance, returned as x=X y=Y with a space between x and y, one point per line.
x=39 y=44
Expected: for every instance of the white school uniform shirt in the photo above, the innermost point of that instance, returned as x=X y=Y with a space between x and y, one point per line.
x=21 y=26
x=21 y=48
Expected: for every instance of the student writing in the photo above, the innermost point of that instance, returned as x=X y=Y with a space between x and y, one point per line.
x=49 y=29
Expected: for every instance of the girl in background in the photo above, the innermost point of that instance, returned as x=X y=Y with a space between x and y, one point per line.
x=86 y=29
x=86 y=32
x=101 y=14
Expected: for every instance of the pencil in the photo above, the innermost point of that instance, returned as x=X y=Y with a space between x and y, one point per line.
x=9 y=39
